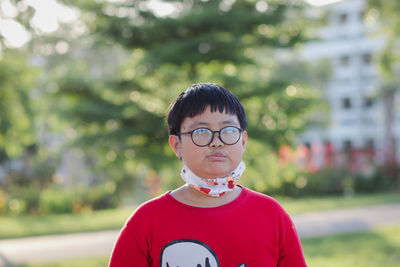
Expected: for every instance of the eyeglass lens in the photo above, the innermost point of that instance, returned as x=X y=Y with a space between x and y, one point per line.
x=228 y=135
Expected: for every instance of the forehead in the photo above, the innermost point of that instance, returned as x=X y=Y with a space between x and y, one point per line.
x=210 y=119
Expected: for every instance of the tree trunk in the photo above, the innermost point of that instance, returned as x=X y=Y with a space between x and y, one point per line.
x=389 y=141
x=391 y=167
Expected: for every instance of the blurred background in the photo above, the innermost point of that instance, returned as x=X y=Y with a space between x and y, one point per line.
x=84 y=87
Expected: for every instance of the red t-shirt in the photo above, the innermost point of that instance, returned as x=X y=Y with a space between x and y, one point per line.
x=252 y=230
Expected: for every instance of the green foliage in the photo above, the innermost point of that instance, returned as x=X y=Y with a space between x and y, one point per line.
x=57 y=200
x=114 y=111
x=21 y=187
x=385 y=15
x=212 y=41
x=331 y=181
x=16 y=112
x=199 y=31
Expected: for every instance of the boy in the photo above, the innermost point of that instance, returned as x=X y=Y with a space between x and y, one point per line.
x=210 y=221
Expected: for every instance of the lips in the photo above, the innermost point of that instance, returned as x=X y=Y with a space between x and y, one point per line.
x=217 y=156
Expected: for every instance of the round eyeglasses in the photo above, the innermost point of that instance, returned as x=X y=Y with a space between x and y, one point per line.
x=229 y=135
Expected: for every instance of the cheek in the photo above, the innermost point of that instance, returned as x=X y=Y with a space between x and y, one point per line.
x=237 y=152
x=192 y=151
x=188 y=153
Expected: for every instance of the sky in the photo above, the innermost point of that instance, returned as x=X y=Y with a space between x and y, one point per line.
x=49 y=14
x=322 y=2
x=47 y=17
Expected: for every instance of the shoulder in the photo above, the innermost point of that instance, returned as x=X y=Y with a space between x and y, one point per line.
x=154 y=203
x=261 y=202
x=149 y=209
x=261 y=199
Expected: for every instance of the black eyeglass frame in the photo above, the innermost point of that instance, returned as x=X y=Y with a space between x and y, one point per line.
x=213 y=134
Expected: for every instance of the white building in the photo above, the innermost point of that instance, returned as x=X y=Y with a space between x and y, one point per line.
x=356 y=115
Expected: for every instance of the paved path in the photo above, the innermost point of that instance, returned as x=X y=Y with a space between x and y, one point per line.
x=52 y=248
x=323 y=223
x=48 y=248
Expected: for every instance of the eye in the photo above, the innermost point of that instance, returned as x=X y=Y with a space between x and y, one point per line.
x=201 y=131
x=230 y=130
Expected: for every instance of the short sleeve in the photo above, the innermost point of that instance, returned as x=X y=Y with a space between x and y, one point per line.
x=291 y=253
x=128 y=251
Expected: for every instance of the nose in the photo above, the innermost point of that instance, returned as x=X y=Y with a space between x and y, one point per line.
x=216 y=141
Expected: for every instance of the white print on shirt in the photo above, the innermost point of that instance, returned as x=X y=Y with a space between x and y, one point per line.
x=189 y=253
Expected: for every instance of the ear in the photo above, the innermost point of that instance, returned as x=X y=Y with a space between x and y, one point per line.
x=244 y=140
x=175 y=144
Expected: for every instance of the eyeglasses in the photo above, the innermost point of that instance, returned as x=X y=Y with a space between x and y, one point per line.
x=229 y=135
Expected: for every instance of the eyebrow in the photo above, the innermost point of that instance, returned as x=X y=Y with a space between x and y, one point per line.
x=200 y=123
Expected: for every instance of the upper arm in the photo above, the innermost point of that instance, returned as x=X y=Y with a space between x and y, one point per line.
x=128 y=251
x=291 y=253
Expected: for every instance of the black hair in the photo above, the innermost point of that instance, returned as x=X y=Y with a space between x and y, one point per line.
x=197 y=98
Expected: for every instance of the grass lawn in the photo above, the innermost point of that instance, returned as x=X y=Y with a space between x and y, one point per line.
x=366 y=249
x=89 y=262
x=309 y=204
x=22 y=226
x=380 y=247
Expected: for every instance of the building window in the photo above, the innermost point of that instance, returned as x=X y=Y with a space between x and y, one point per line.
x=367 y=121
x=346 y=103
x=367 y=58
x=344 y=61
x=343 y=18
x=368 y=102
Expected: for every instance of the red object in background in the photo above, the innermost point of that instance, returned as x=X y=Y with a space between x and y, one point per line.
x=329 y=154
x=317 y=156
x=285 y=155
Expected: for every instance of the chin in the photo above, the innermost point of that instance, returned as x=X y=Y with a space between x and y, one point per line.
x=218 y=173
x=213 y=170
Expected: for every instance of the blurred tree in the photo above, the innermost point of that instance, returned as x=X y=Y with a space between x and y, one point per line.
x=16 y=78
x=24 y=157
x=17 y=130
x=385 y=13
x=119 y=116
x=30 y=122
x=115 y=112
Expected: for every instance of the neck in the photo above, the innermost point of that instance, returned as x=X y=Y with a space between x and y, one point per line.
x=193 y=197
x=216 y=187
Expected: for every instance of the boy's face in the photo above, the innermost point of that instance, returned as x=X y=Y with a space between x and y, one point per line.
x=217 y=159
